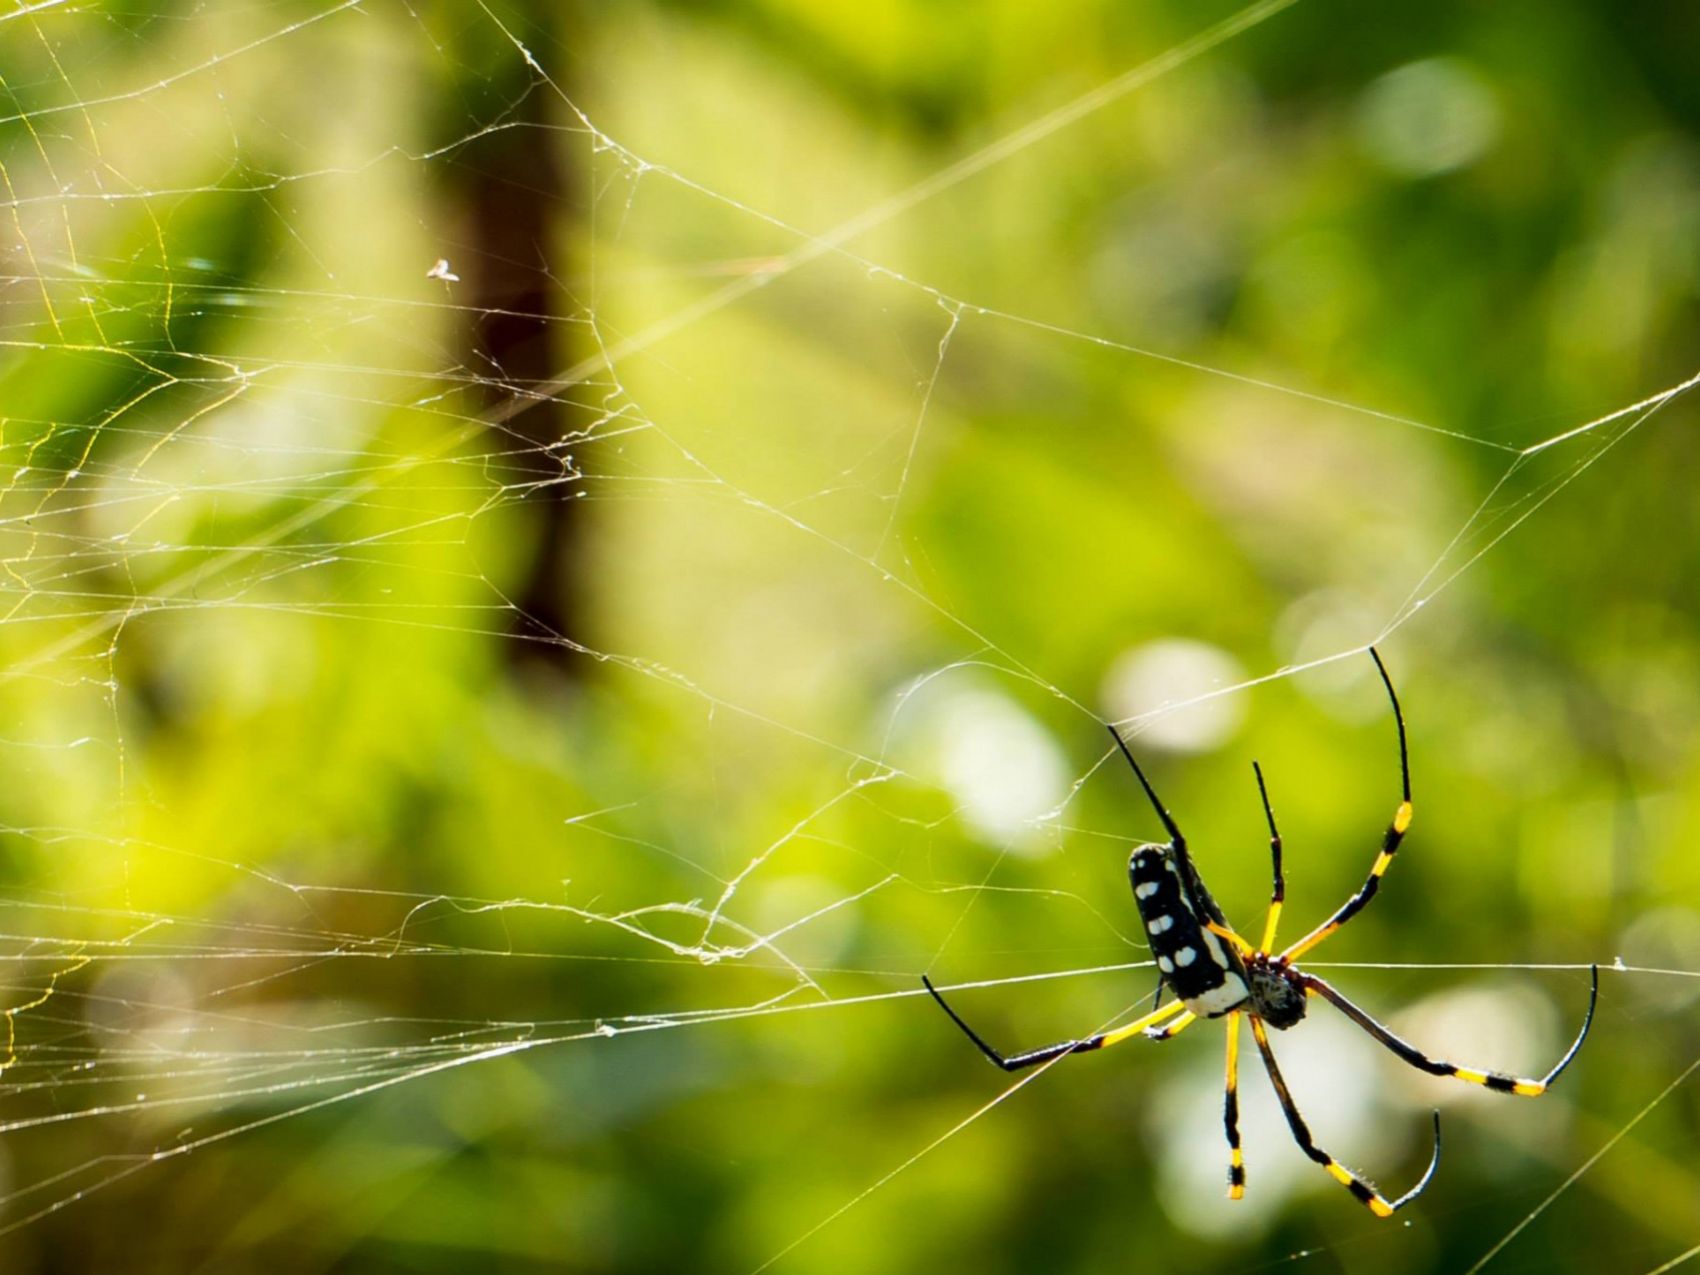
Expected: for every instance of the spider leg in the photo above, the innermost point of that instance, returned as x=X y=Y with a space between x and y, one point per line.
x=1498 y=1081
x=1177 y=842
x=1278 y=895
x=1361 y=1190
x=1174 y=1027
x=1231 y=1112
x=1033 y=1057
x=1389 y=842
x=1224 y=932
x=1168 y=822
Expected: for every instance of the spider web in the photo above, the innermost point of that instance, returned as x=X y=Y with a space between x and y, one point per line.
x=354 y=881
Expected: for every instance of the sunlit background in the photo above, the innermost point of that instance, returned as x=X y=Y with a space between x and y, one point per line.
x=557 y=557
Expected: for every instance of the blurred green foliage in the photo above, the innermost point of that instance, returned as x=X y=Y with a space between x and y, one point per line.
x=492 y=746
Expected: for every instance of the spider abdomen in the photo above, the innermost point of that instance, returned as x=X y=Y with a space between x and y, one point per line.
x=1193 y=961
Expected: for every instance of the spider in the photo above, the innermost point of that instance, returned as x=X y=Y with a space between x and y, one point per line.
x=1215 y=973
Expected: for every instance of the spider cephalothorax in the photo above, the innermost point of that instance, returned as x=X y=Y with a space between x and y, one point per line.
x=1277 y=990
x=1214 y=973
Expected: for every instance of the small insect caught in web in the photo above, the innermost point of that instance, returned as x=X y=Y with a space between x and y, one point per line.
x=1214 y=973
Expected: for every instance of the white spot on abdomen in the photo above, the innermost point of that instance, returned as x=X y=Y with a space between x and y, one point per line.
x=1214 y=946
x=1219 y=1000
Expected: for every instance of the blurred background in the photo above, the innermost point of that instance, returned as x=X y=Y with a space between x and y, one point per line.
x=558 y=556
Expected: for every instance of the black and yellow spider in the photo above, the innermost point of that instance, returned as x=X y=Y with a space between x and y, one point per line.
x=1214 y=972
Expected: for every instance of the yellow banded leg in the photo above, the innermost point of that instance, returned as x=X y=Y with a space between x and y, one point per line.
x=1170 y=1030
x=1498 y=1081
x=1269 y=925
x=1139 y=1025
x=1223 y=932
x=1390 y=839
x=1362 y=1190
x=1278 y=893
x=1402 y=818
x=1309 y=941
x=1372 y=883
x=1034 y=1057
x=1502 y=1082
x=1231 y=1112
